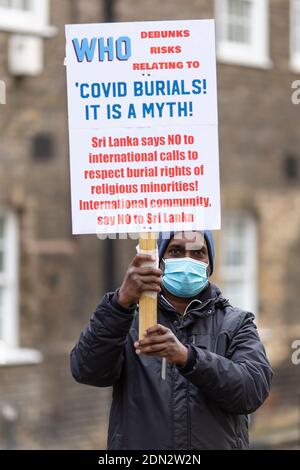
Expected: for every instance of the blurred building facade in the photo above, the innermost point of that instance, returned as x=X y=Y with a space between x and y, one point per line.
x=51 y=281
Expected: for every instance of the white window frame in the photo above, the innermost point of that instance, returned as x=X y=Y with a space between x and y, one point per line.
x=294 y=55
x=255 y=55
x=9 y=280
x=248 y=272
x=35 y=22
x=10 y=351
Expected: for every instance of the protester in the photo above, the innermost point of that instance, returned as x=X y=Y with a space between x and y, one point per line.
x=194 y=378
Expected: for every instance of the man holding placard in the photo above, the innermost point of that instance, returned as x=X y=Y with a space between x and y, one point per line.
x=187 y=367
x=192 y=380
x=143 y=137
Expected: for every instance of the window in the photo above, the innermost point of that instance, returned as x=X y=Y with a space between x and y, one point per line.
x=2 y=92
x=24 y=15
x=243 y=32
x=295 y=34
x=239 y=261
x=16 y=4
x=10 y=352
x=8 y=280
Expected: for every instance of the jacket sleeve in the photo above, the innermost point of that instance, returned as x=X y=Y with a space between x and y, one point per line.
x=240 y=382
x=97 y=358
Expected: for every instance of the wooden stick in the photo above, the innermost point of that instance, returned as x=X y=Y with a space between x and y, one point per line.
x=148 y=300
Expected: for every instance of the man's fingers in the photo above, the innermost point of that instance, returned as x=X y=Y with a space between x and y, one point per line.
x=153 y=348
x=151 y=286
x=138 y=260
x=157 y=339
x=156 y=329
x=151 y=280
x=146 y=271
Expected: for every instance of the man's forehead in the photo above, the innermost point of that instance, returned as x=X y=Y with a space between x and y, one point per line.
x=191 y=240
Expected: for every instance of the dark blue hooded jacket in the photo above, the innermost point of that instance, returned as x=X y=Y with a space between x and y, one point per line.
x=203 y=405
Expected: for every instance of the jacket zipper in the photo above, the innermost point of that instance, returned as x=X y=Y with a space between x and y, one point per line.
x=189 y=442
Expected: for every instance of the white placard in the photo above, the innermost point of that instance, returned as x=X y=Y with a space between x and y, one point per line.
x=143 y=126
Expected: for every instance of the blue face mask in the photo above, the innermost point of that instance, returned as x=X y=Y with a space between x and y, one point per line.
x=184 y=277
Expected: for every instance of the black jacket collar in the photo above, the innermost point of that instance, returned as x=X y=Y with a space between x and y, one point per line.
x=203 y=305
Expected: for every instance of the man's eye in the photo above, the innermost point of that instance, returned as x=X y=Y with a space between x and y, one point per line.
x=200 y=253
x=174 y=251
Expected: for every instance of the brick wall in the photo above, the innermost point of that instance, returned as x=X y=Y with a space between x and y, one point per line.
x=63 y=277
